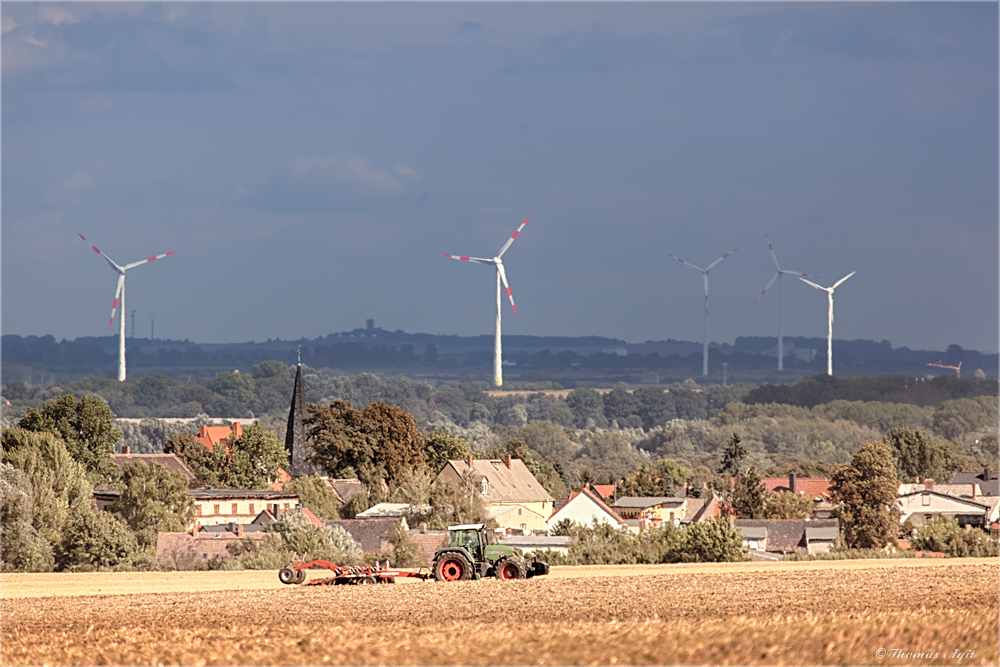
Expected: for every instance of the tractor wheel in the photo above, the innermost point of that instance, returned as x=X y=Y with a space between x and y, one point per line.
x=288 y=575
x=452 y=566
x=365 y=581
x=300 y=576
x=507 y=570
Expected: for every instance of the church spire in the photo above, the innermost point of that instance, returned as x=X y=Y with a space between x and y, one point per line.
x=295 y=433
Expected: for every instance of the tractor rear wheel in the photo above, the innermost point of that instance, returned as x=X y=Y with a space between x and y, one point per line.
x=507 y=570
x=288 y=575
x=452 y=566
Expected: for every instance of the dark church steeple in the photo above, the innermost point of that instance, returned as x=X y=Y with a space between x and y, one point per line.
x=295 y=434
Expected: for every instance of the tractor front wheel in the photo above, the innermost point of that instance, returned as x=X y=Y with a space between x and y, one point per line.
x=507 y=570
x=452 y=567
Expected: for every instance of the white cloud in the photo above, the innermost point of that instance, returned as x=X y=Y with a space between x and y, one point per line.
x=35 y=42
x=8 y=24
x=74 y=185
x=355 y=170
x=55 y=15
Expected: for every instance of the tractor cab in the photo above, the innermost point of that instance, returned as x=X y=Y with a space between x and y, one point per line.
x=471 y=537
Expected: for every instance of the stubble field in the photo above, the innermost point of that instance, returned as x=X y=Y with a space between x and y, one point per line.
x=827 y=612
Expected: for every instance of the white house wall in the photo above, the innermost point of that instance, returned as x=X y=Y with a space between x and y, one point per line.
x=583 y=511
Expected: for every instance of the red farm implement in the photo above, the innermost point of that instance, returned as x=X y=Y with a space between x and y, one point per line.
x=344 y=575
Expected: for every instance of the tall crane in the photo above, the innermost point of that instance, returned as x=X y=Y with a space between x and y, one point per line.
x=957 y=369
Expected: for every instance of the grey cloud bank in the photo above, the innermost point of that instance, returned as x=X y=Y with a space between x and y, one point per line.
x=310 y=162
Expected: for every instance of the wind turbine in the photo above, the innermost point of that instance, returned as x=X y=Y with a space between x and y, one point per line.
x=120 y=298
x=501 y=277
x=704 y=272
x=777 y=276
x=829 y=326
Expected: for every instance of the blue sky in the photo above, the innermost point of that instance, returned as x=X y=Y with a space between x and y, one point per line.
x=309 y=163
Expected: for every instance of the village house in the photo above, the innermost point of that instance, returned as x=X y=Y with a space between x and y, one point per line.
x=779 y=536
x=585 y=507
x=372 y=534
x=641 y=514
x=987 y=480
x=511 y=494
x=204 y=544
x=217 y=506
x=212 y=436
x=920 y=507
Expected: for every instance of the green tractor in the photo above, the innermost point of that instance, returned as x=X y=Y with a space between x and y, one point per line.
x=471 y=555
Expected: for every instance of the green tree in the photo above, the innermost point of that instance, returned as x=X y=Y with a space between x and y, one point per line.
x=749 y=499
x=95 y=540
x=441 y=447
x=788 y=505
x=203 y=462
x=154 y=500
x=252 y=460
x=86 y=426
x=561 y=528
x=917 y=455
x=331 y=543
x=317 y=495
x=733 y=456
x=59 y=487
x=22 y=548
x=712 y=541
x=620 y=405
x=587 y=407
x=947 y=536
x=865 y=494
x=380 y=443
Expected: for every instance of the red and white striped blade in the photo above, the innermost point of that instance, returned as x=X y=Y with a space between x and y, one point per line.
x=146 y=261
x=722 y=258
x=774 y=258
x=802 y=275
x=477 y=260
x=696 y=268
x=773 y=278
x=503 y=279
x=118 y=294
x=98 y=251
x=512 y=237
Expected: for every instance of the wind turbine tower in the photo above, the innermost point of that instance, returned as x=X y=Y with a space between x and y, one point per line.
x=501 y=278
x=120 y=299
x=779 y=273
x=704 y=325
x=829 y=325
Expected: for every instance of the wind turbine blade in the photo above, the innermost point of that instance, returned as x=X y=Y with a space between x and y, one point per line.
x=513 y=236
x=503 y=279
x=837 y=284
x=774 y=258
x=98 y=251
x=476 y=260
x=696 y=268
x=813 y=284
x=118 y=293
x=799 y=273
x=722 y=258
x=146 y=261
x=773 y=278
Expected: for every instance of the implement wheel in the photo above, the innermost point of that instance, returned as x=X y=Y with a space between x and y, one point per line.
x=288 y=575
x=300 y=576
x=507 y=570
x=452 y=566
x=366 y=581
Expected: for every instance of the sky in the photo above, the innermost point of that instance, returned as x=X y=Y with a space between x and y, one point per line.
x=309 y=163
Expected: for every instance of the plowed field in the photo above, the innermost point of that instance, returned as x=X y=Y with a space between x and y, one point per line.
x=840 y=612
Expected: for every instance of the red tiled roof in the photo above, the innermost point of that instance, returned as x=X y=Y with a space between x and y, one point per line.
x=605 y=490
x=210 y=436
x=174 y=546
x=808 y=486
x=371 y=534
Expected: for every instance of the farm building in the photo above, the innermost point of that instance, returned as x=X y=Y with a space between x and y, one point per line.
x=584 y=508
x=505 y=483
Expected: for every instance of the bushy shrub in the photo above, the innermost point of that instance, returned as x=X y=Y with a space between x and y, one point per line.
x=940 y=534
